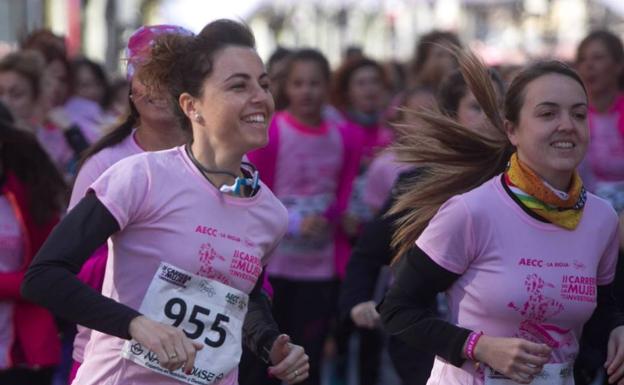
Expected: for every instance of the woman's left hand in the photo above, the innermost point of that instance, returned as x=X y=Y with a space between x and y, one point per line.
x=615 y=356
x=290 y=363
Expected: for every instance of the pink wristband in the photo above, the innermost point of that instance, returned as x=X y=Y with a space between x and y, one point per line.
x=471 y=343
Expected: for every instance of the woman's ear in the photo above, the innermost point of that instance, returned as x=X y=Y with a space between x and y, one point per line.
x=511 y=131
x=188 y=103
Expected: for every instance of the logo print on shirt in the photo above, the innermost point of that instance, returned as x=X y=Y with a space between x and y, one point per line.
x=577 y=288
x=578 y=265
x=210 y=231
x=531 y=262
x=208 y=257
x=536 y=311
x=246 y=266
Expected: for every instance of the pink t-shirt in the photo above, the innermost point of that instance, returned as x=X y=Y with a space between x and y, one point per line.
x=380 y=178
x=374 y=140
x=11 y=259
x=168 y=212
x=54 y=143
x=92 y=272
x=519 y=277
x=100 y=162
x=606 y=147
x=88 y=115
x=307 y=171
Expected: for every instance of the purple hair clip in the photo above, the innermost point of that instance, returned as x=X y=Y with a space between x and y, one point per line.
x=142 y=39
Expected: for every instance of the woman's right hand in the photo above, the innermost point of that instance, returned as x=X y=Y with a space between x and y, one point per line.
x=173 y=348
x=516 y=358
x=365 y=315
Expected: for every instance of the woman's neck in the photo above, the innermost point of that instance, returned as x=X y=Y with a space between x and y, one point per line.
x=311 y=120
x=217 y=160
x=604 y=100
x=365 y=119
x=560 y=181
x=160 y=136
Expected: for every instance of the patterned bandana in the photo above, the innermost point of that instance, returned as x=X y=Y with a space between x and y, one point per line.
x=559 y=208
x=141 y=41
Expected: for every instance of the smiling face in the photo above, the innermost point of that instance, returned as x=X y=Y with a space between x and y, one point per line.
x=151 y=107
x=235 y=105
x=551 y=134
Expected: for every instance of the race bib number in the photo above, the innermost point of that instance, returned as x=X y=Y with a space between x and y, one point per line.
x=553 y=374
x=207 y=311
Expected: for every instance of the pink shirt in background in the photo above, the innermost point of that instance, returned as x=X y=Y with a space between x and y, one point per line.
x=11 y=260
x=168 y=212
x=606 y=147
x=88 y=115
x=519 y=277
x=92 y=272
x=310 y=169
x=380 y=178
x=53 y=141
x=374 y=139
x=603 y=168
x=95 y=166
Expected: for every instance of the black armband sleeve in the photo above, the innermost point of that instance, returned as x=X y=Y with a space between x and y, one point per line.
x=371 y=252
x=76 y=139
x=51 y=278
x=259 y=328
x=407 y=313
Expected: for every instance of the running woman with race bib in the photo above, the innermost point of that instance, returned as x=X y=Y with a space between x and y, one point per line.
x=190 y=229
x=525 y=255
x=150 y=126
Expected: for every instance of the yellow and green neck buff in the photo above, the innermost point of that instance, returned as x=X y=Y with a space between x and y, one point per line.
x=561 y=209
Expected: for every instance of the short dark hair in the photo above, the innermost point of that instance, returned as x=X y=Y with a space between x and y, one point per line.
x=309 y=54
x=343 y=75
x=179 y=63
x=28 y=64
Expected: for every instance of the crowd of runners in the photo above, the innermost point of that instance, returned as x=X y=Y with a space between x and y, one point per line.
x=212 y=219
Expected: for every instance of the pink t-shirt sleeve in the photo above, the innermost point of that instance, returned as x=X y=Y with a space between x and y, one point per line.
x=88 y=174
x=448 y=239
x=608 y=261
x=123 y=189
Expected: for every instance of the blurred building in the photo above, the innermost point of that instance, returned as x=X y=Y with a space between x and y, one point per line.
x=500 y=30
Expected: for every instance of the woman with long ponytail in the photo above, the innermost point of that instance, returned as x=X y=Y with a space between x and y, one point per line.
x=502 y=224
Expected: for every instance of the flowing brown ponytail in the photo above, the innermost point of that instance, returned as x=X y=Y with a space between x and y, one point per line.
x=456 y=159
